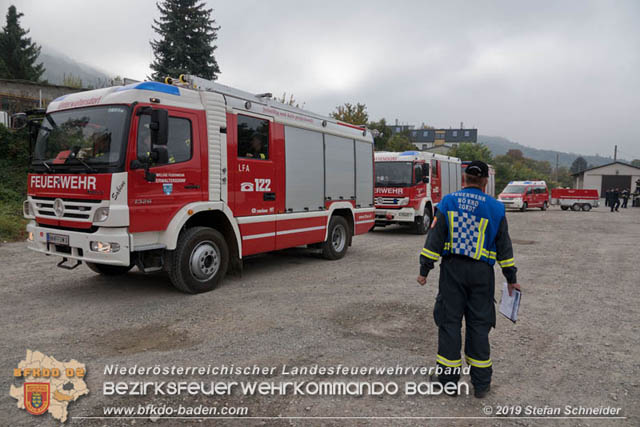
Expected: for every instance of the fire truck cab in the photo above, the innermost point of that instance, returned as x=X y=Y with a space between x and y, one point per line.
x=191 y=177
x=409 y=186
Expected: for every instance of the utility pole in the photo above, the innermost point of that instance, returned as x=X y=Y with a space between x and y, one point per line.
x=615 y=153
x=557 y=160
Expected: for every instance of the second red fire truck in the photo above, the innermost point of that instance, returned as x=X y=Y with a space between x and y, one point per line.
x=192 y=177
x=409 y=186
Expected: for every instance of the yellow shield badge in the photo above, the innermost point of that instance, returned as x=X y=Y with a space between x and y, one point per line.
x=36 y=398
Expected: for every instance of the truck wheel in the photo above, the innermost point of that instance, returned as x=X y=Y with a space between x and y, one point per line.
x=423 y=223
x=564 y=208
x=524 y=207
x=575 y=207
x=586 y=207
x=199 y=261
x=544 y=206
x=109 y=270
x=337 y=241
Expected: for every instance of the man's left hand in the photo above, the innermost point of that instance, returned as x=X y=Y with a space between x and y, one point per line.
x=421 y=280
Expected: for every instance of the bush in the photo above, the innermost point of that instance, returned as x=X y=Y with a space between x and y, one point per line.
x=14 y=161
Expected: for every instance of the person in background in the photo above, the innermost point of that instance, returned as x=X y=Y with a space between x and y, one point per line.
x=607 y=197
x=625 y=197
x=614 y=200
x=256 y=148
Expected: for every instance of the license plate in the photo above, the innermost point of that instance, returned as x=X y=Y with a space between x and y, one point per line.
x=58 y=239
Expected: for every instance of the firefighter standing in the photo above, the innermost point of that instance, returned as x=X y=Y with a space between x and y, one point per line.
x=614 y=200
x=470 y=234
x=625 y=198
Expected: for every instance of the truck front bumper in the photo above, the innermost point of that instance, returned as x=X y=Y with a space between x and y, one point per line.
x=395 y=215
x=79 y=247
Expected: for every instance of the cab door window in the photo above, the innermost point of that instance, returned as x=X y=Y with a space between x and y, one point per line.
x=179 y=146
x=253 y=138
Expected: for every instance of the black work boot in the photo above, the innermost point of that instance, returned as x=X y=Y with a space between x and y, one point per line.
x=481 y=393
x=449 y=391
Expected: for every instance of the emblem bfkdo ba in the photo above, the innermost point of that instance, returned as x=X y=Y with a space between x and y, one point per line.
x=36 y=398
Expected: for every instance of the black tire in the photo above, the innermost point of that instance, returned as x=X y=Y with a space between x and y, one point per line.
x=564 y=208
x=576 y=207
x=337 y=243
x=586 y=207
x=544 y=207
x=524 y=207
x=200 y=260
x=109 y=270
x=421 y=226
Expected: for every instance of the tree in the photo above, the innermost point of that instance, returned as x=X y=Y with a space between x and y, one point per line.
x=381 y=134
x=515 y=154
x=70 y=80
x=187 y=34
x=400 y=143
x=18 y=54
x=472 y=151
x=635 y=162
x=349 y=113
x=288 y=101
x=578 y=165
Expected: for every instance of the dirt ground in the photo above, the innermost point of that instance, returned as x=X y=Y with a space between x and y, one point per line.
x=576 y=343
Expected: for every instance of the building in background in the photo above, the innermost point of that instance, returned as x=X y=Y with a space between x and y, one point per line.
x=21 y=95
x=613 y=175
x=436 y=140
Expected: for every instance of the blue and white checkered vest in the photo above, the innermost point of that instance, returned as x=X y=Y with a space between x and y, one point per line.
x=473 y=219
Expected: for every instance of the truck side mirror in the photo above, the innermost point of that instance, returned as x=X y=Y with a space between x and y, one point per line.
x=159 y=127
x=425 y=173
x=160 y=154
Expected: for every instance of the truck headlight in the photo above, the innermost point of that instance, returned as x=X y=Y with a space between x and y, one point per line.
x=26 y=208
x=403 y=201
x=101 y=214
x=104 y=247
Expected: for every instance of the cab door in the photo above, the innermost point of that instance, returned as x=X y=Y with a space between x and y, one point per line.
x=152 y=205
x=529 y=197
x=253 y=186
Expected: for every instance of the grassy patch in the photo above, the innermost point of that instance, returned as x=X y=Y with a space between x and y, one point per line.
x=12 y=224
x=14 y=158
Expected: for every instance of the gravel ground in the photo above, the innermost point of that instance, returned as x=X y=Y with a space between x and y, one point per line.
x=576 y=342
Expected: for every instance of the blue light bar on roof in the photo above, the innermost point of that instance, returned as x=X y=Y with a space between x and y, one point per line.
x=153 y=86
x=409 y=153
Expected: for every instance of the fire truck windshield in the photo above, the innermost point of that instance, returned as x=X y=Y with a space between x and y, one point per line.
x=514 y=189
x=394 y=174
x=82 y=140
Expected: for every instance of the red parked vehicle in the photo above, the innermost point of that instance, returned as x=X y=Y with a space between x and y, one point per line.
x=576 y=199
x=525 y=194
x=191 y=177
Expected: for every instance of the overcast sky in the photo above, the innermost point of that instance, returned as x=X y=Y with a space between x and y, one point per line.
x=559 y=75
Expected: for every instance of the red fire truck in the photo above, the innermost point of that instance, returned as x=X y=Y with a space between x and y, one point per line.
x=191 y=177
x=409 y=186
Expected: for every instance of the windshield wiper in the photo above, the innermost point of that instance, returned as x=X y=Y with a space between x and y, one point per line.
x=49 y=169
x=85 y=164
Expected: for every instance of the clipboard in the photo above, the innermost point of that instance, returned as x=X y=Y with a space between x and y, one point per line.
x=509 y=305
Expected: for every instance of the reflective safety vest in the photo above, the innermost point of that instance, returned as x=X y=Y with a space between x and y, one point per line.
x=473 y=220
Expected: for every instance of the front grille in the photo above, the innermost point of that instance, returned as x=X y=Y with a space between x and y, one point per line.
x=75 y=209
x=387 y=200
